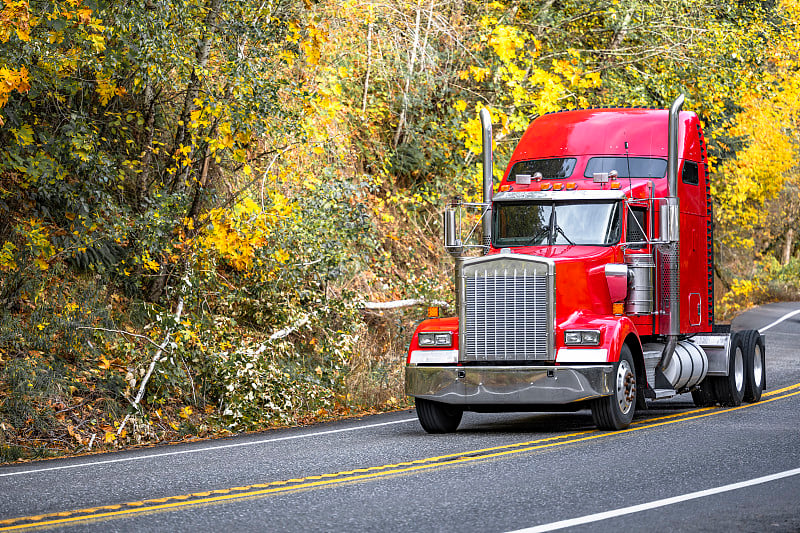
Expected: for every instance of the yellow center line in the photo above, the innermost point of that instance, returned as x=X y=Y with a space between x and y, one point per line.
x=200 y=498
x=778 y=391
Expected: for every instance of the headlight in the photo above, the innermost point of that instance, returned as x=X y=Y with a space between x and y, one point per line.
x=440 y=338
x=583 y=337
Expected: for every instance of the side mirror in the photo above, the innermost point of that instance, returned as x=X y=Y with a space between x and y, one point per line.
x=452 y=242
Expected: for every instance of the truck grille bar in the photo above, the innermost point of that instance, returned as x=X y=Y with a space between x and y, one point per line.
x=508 y=311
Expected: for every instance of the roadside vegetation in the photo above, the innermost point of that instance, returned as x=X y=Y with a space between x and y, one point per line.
x=200 y=199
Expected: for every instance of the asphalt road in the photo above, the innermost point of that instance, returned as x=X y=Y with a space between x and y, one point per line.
x=497 y=473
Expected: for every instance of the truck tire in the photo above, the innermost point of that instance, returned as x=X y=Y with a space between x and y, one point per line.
x=437 y=417
x=730 y=389
x=704 y=396
x=755 y=377
x=616 y=411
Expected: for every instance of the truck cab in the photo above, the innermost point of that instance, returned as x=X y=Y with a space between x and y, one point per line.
x=595 y=284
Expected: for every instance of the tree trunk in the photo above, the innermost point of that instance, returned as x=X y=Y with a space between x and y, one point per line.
x=618 y=38
x=411 y=65
x=144 y=178
x=787 y=246
x=182 y=135
x=369 y=68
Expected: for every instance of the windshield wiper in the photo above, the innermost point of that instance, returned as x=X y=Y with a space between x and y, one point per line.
x=539 y=234
x=555 y=229
x=561 y=231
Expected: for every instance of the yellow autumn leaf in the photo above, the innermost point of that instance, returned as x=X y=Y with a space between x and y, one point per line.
x=24 y=135
x=105 y=89
x=98 y=42
x=478 y=73
x=505 y=41
x=185 y=412
x=109 y=437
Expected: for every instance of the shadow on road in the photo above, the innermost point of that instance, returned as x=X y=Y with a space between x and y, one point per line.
x=553 y=423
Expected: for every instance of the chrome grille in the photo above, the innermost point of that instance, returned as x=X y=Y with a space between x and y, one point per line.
x=507 y=312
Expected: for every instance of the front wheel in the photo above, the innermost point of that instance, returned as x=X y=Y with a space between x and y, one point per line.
x=437 y=417
x=616 y=411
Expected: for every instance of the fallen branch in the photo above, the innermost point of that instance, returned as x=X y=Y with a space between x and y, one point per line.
x=152 y=366
x=121 y=332
x=281 y=333
x=396 y=304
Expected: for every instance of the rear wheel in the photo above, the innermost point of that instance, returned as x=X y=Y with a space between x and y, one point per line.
x=616 y=411
x=437 y=417
x=730 y=388
x=755 y=377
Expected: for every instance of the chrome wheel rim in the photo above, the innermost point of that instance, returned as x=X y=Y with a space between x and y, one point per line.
x=738 y=369
x=758 y=369
x=626 y=387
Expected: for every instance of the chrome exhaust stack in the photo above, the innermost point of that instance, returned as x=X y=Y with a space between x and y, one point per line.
x=488 y=189
x=669 y=252
x=672 y=146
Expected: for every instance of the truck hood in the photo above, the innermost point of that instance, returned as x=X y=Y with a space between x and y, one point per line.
x=580 y=276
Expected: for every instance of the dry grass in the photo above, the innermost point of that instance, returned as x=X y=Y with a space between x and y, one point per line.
x=376 y=375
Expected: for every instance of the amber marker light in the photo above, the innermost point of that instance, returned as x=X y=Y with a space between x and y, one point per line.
x=615 y=185
x=504 y=188
x=433 y=312
x=558 y=186
x=571 y=186
x=618 y=308
x=545 y=186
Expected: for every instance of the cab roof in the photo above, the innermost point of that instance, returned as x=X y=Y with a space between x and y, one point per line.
x=601 y=131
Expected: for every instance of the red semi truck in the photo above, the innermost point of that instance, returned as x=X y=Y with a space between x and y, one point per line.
x=596 y=284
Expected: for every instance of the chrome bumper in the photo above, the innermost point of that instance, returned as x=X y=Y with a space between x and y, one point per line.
x=497 y=385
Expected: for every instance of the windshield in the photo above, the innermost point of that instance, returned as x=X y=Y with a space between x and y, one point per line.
x=550 y=223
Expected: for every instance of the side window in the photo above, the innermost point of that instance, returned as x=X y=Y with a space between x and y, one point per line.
x=637 y=226
x=690 y=174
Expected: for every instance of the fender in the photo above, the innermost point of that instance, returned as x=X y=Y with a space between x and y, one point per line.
x=434 y=354
x=614 y=330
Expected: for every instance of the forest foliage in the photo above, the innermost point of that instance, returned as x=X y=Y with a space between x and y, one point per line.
x=212 y=189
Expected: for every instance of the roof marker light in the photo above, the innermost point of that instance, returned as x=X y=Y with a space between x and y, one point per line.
x=615 y=185
x=571 y=186
x=545 y=186
x=504 y=188
x=558 y=186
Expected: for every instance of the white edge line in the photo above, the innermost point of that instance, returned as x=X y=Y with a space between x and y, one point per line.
x=205 y=449
x=781 y=319
x=655 y=504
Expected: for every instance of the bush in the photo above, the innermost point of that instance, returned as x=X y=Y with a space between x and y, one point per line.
x=771 y=282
